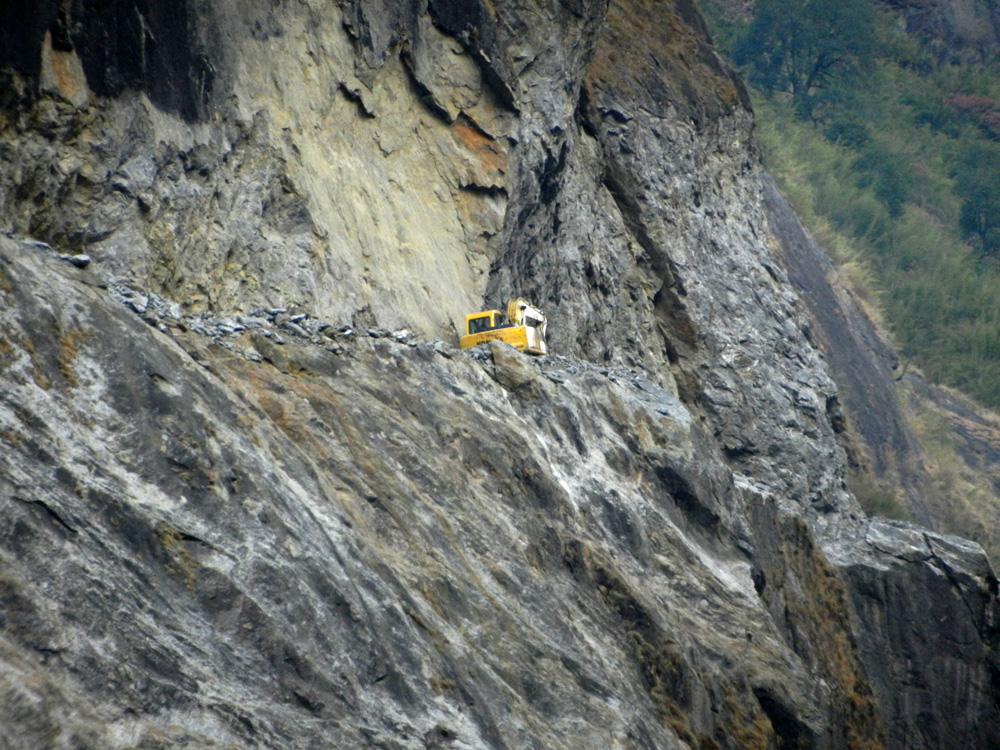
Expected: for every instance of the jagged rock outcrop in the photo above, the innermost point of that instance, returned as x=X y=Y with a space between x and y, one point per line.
x=860 y=359
x=957 y=30
x=282 y=552
x=247 y=508
x=943 y=627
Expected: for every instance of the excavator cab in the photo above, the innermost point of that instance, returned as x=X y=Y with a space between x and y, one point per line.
x=484 y=321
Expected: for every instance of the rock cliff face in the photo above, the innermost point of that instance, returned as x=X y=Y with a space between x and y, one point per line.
x=954 y=30
x=255 y=496
x=861 y=361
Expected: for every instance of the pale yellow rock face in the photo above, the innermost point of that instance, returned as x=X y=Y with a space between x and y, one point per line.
x=372 y=194
x=385 y=178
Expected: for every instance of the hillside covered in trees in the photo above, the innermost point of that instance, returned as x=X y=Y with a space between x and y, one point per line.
x=881 y=122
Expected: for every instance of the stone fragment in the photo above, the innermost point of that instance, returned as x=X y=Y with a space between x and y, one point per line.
x=512 y=369
x=898 y=539
x=137 y=303
x=295 y=329
x=443 y=349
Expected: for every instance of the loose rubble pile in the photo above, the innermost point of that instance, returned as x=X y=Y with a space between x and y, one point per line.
x=276 y=324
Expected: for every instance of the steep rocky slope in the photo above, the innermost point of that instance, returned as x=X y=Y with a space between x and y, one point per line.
x=256 y=497
x=877 y=435
x=934 y=448
x=959 y=30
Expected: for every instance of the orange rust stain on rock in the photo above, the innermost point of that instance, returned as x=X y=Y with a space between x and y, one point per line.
x=487 y=149
x=64 y=73
x=263 y=385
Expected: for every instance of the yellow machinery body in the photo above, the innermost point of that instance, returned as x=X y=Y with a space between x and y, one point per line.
x=522 y=327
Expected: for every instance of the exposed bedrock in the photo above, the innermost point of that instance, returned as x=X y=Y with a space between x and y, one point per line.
x=861 y=361
x=256 y=498
x=387 y=545
x=954 y=30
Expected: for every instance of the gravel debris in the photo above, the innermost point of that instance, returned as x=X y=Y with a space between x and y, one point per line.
x=227 y=330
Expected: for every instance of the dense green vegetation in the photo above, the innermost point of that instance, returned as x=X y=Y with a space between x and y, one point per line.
x=807 y=49
x=892 y=158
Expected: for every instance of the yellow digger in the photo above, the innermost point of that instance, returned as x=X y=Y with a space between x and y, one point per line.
x=523 y=327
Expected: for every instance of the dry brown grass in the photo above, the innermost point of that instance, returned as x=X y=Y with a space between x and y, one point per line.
x=822 y=612
x=750 y=729
x=182 y=563
x=69 y=343
x=963 y=495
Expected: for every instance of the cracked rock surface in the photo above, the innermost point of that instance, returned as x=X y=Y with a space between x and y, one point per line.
x=254 y=496
x=928 y=599
x=289 y=558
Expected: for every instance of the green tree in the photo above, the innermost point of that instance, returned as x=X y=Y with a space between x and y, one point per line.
x=977 y=182
x=879 y=169
x=807 y=48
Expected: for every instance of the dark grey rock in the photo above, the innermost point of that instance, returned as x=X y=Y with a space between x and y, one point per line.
x=36 y=244
x=643 y=540
x=928 y=610
x=860 y=359
x=295 y=329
